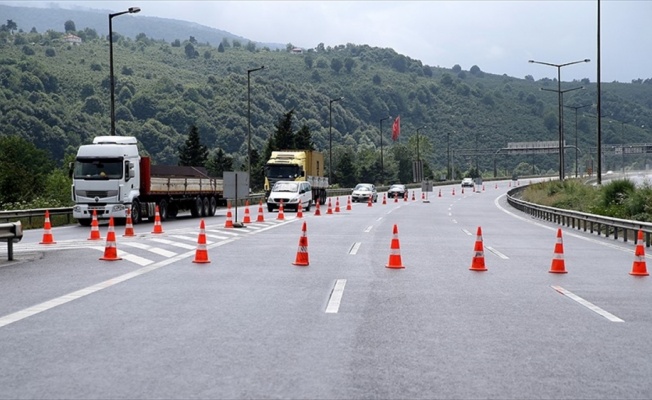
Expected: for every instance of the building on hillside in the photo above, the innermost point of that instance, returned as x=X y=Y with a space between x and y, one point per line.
x=72 y=39
x=296 y=50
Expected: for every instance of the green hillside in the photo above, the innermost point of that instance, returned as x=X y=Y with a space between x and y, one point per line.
x=55 y=95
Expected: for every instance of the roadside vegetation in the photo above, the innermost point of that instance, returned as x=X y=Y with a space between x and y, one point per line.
x=617 y=199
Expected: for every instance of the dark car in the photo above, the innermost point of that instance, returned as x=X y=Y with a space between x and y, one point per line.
x=396 y=191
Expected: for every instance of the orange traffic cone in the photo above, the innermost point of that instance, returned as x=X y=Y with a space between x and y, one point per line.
x=423 y=196
x=47 y=233
x=405 y=197
x=302 y=252
x=158 y=228
x=110 y=250
x=395 y=198
x=558 y=266
x=337 y=204
x=201 y=255
x=369 y=202
x=413 y=199
x=462 y=189
x=348 y=203
x=229 y=217
x=439 y=193
x=247 y=217
x=453 y=192
x=395 y=251
x=129 y=225
x=496 y=186
x=478 y=257
x=299 y=210
x=280 y=216
x=483 y=187
x=329 y=210
x=384 y=199
x=261 y=216
x=95 y=228
x=639 y=268
x=317 y=212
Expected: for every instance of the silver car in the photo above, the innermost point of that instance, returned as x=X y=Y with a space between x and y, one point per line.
x=363 y=192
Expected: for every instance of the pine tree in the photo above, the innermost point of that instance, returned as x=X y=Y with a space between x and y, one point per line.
x=284 y=137
x=218 y=163
x=192 y=152
x=303 y=139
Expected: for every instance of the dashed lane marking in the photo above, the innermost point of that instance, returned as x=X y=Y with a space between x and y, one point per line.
x=336 y=297
x=587 y=304
x=354 y=248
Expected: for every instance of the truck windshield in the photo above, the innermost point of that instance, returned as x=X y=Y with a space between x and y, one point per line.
x=93 y=168
x=283 y=171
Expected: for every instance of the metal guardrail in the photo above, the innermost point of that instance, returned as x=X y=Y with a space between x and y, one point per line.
x=627 y=229
x=11 y=232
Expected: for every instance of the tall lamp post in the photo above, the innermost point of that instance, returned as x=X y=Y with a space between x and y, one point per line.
x=562 y=151
x=448 y=156
x=382 y=166
x=330 y=138
x=249 y=71
x=559 y=66
x=576 y=150
x=131 y=10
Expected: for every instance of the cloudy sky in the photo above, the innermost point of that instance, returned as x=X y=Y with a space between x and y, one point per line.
x=497 y=36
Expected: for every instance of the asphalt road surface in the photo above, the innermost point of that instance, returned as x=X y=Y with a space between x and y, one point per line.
x=250 y=324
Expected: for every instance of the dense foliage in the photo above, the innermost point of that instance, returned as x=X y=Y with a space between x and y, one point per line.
x=55 y=95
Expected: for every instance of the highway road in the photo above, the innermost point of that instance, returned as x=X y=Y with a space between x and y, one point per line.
x=250 y=324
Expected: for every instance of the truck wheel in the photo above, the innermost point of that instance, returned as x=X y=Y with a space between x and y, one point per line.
x=84 y=221
x=197 y=205
x=163 y=209
x=309 y=204
x=213 y=202
x=206 y=207
x=136 y=217
x=270 y=208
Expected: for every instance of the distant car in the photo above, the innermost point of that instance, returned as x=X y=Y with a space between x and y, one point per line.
x=468 y=182
x=364 y=191
x=396 y=191
x=291 y=193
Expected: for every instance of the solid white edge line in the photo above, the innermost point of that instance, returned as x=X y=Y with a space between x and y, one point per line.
x=336 y=297
x=587 y=304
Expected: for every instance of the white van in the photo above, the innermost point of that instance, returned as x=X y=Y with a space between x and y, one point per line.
x=291 y=193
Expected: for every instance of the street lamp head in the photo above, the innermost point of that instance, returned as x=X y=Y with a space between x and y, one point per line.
x=587 y=60
x=134 y=10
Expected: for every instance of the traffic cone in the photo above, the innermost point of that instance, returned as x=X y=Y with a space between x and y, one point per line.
x=247 y=217
x=496 y=186
x=439 y=193
x=110 y=250
x=369 y=202
x=261 y=216
x=129 y=225
x=280 y=216
x=453 y=192
x=95 y=228
x=395 y=198
x=302 y=252
x=229 y=217
x=299 y=210
x=558 y=266
x=317 y=212
x=337 y=204
x=348 y=203
x=201 y=255
x=405 y=196
x=639 y=268
x=478 y=257
x=47 y=233
x=395 y=252
x=483 y=187
x=329 y=210
x=462 y=189
x=384 y=199
x=413 y=199
x=423 y=196
x=158 y=228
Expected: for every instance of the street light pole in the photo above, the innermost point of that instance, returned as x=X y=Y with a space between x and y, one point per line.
x=418 y=129
x=131 y=10
x=560 y=110
x=249 y=71
x=448 y=156
x=330 y=138
x=382 y=166
x=576 y=151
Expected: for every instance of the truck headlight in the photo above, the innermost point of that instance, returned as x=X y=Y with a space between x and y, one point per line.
x=118 y=207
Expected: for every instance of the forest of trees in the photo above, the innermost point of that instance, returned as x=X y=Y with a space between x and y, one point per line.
x=183 y=96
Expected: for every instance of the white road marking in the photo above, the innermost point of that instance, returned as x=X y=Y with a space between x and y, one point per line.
x=354 y=249
x=173 y=243
x=587 y=304
x=152 y=249
x=496 y=252
x=336 y=297
x=467 y=232
x=216 y=236
x=369 y=228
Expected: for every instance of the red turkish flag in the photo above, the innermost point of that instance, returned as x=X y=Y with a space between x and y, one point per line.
x=396 y=128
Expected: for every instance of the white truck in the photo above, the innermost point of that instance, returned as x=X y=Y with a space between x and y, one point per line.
x=109 y=176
